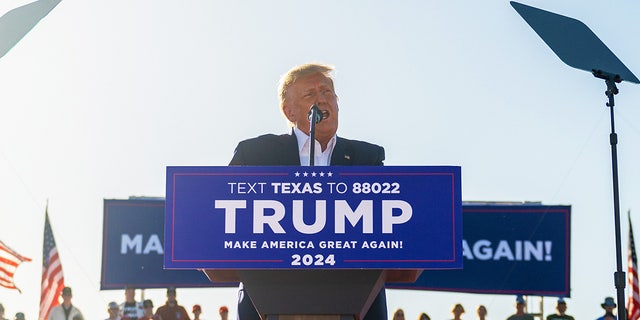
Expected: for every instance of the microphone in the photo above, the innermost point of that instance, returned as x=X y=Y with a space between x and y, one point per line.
x=316 y=115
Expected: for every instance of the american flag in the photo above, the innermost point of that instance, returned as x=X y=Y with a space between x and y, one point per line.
x=9 y=262
x=633 y=301
x=52 y=277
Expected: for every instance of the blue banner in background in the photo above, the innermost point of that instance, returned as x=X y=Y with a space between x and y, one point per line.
x=133 y=249
x=508 y=249
x=337 y=217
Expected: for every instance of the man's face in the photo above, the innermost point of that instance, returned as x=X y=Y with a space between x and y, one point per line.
x=171 y=296
x=148 y=310
x=561 y=307
x=302 y=94
x=113 y=312
x=66 y=298
x=129 y=294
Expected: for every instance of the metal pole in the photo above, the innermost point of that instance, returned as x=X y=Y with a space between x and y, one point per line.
x=314 y=118
x=619 y=275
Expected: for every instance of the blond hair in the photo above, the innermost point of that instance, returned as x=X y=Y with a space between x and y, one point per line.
x=301 y=71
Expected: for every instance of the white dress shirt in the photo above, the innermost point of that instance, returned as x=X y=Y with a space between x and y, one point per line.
x=322 y=158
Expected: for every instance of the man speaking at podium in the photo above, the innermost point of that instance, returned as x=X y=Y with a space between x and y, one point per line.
x=299 y=89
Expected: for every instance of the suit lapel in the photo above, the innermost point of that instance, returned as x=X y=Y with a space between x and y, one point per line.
x=290 y=154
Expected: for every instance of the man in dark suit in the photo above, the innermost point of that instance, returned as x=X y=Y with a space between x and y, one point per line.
x=299 y=89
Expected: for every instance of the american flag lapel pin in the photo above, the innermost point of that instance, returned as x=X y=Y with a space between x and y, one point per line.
x=348 y=157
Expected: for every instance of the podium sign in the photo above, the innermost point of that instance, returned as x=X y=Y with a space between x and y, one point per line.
x=402 y=217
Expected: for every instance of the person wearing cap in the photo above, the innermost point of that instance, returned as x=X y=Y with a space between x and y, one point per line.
x=114 y=311
x=608 y=305
x=520 y=314
x=224 y=313
x=130 y=309
x=148 y=311
x=172 y=310
x=66 y=310
x=561 y=308
x=196 y=310
x=19 y=316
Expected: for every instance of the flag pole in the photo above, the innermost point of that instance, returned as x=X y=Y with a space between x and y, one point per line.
x=52 y=274
x=633 y=301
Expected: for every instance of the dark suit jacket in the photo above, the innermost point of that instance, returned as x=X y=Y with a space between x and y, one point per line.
x=282 y=150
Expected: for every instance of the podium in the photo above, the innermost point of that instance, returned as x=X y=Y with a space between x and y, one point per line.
x=313 y=294
x=313 y=243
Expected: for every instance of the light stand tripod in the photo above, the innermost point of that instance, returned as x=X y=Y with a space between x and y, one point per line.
x=576 y=45
x=613 y=141
x=619 y=275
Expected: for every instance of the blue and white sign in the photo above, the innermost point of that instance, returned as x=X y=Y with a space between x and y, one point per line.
x=508 y=249
x=404 y=217
x=133 y=248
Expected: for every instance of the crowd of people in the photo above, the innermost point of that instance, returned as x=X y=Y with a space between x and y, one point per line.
x=457 y=311
x=131 y=309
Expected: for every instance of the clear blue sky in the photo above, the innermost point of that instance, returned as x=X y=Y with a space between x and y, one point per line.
x=102 y=95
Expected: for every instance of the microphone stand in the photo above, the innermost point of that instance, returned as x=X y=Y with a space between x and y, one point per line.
x=315 y=116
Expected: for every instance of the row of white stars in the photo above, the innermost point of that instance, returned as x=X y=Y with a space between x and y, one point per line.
x=313 y=174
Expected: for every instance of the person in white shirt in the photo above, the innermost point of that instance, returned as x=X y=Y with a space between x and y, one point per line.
x=130 y=309
x=114 y=311
x=66 y=310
